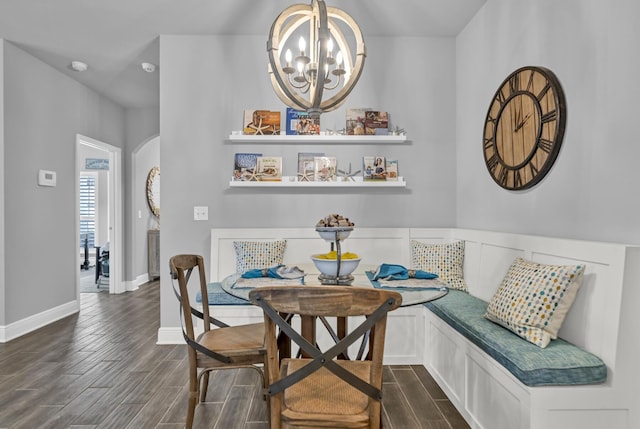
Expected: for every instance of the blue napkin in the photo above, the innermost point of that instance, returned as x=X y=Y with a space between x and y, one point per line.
x=398 y=272
x=276 y=272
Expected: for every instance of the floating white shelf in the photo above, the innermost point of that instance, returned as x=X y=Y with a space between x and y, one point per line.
x=292 y=182
x=317 y=139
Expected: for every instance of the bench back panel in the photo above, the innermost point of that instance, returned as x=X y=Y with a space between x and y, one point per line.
x=592 y=323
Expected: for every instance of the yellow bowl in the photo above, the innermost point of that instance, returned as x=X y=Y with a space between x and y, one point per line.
x=329 y=267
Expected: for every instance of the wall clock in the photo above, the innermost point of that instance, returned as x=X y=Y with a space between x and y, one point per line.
x=524 y=128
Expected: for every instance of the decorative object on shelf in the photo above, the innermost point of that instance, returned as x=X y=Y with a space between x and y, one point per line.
x=325 y=168
x=392 y=169
x=269 y=168
x=153 y=191
x=245 y=165
x=300 y=123
x=317 y=81
x=397 y=131
x=524 y=128
x=376 y=123
x=264 y=122
x=355 y=121
x=341 y=132
x=348 y=175
x=307 y=166
x=335 y=268
x=374 y=168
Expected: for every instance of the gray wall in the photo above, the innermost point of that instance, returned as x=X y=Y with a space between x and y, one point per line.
x=146 y=157
x=592 y=190
x=3 y=302
x=43 y=112
x=206 y=82
x=142 y=125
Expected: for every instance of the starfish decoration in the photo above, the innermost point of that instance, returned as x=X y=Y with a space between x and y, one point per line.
x=305 y=177
x=331 y=132
x=348 y=175
x=251 y=175
x=259 y=128
x=398 y=131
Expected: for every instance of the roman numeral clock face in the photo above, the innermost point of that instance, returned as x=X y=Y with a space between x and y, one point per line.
x=524 y=128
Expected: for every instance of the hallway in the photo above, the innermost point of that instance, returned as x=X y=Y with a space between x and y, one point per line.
x=102 y=369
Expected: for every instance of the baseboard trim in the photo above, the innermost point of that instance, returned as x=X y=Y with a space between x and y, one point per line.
x=28 y=324
x=170 y=336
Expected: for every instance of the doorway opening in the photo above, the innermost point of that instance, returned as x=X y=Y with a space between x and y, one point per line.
x=99 y=217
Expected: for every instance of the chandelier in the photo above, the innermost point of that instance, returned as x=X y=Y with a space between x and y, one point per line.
x=315 y=80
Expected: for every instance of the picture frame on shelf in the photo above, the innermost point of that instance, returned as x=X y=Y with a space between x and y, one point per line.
x=245 y=164
x=306 y=165
x=269 y=168
x=325 y=168
x=392 y=169
x=374 y=168
x=261 y=122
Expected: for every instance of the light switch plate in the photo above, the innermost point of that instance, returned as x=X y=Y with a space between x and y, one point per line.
x=201 y=213
x=46 y=178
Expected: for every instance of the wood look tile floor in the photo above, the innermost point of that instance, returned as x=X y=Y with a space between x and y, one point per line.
x=101 y=368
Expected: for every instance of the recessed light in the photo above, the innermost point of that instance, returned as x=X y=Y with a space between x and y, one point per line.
x=148 y=67
x=79 y=66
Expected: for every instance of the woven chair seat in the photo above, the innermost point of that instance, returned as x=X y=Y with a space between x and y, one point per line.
x=234 y=341
x=324 y=393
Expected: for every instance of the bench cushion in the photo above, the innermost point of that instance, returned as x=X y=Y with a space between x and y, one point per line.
x=217 y=296
x=560 y=363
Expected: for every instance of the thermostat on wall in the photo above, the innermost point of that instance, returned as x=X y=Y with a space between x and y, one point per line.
x=46 y=178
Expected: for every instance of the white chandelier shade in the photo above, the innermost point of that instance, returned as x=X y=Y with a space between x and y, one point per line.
x=303 y=81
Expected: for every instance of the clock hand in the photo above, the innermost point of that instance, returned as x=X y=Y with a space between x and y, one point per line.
x=521 y=124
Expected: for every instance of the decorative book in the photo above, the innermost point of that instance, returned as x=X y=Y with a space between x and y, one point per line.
x=299 y=123
x=356 y=121
x=307 y=166
x=325 y=168
x=245 y=166
x=269 y=168
x=304 y=124
x=261 y=122
x=392 y=169
x=376 y=123
x=373 y=168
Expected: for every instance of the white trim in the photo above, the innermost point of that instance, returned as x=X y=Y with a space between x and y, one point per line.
x=37 y=321
x=116 y=230
x=170 y=336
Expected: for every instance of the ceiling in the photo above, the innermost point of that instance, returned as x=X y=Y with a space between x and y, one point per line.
x=115 y=36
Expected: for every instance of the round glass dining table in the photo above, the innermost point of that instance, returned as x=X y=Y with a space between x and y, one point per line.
x=411 y=295
x=429 y=290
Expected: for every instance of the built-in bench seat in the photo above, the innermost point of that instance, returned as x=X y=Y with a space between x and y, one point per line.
x=560 y=363
x=494 y=378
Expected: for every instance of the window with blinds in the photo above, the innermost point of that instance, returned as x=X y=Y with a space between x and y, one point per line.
x=87 y=210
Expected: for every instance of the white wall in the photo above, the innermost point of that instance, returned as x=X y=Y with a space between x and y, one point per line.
x=207 y=81
x=591 y=45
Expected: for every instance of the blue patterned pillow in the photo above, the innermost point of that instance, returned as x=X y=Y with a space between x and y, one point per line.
x=445 y=260
x=534 y=299
x=258 y=254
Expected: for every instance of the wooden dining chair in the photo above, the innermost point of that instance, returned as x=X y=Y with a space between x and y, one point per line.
x=219 y=346
x=322 y=391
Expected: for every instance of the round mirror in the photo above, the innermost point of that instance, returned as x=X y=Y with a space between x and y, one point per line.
x=153 y=190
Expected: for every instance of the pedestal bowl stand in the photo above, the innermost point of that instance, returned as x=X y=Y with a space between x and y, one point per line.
x=335 y=235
